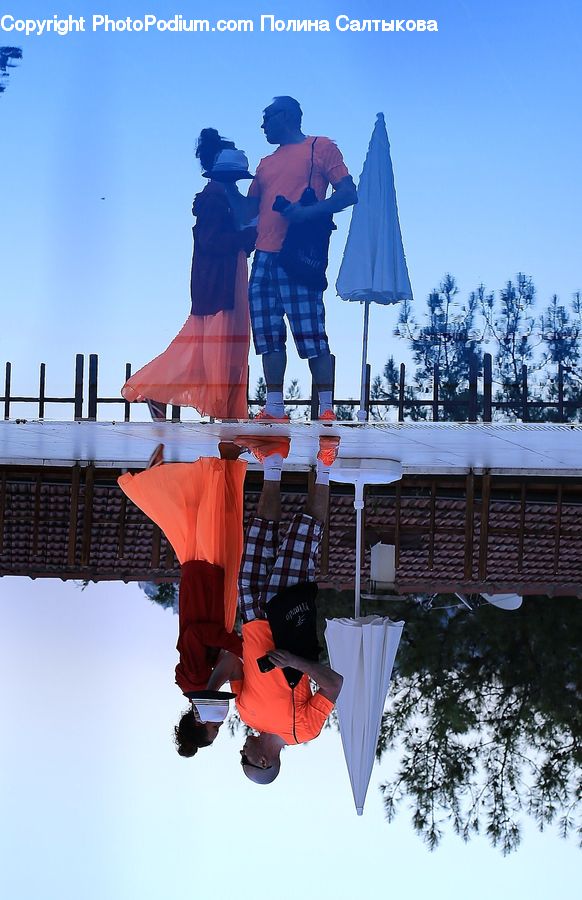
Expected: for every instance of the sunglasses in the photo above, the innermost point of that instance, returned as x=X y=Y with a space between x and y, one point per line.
x=272 y=115
x=244 y=762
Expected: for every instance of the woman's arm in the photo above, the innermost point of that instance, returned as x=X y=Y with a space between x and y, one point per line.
x=212 y=235
x=245 y=208
x=228 y=668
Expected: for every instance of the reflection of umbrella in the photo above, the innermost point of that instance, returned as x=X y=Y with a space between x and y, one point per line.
x=374 y=265
x=363 y=651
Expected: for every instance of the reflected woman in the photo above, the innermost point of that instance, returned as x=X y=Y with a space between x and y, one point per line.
x=206 y=364
x=199 y=507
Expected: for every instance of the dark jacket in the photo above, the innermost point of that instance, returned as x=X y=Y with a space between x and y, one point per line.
x=217 y=243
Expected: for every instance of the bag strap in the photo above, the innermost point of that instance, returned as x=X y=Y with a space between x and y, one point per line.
x=311 y=169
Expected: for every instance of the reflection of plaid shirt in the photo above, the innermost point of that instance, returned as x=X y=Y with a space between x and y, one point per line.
x=268 y=567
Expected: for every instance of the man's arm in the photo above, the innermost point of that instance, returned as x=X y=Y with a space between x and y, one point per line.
x=330 y=682
x=228 y=668
x=344 y=195
x=244 y=208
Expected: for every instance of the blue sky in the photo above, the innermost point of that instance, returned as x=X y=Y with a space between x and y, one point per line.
x=96 y=802
x=484 y=125
x=483 y=122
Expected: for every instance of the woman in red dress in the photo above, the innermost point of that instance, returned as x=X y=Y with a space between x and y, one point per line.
x=206 y=364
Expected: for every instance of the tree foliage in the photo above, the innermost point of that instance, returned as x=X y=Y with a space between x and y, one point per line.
x=485 y=722
x=7 y=55
x=528 y=351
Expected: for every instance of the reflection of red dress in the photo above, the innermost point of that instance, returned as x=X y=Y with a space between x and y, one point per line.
x=206 y=364
x=202 y=629
x=199 y=507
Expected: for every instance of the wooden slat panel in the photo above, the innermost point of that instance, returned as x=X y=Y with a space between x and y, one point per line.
x=156 y=545
x=36 y=522
x=432 y=524
x=73 y=515
x=558 y=529
x=121 y=527
x=87 y=514
x=169 y=557
x=2 y=508
x=324 y=556
x=397 y=525
x=484 y=536
x=469 y=524
x=521 y=539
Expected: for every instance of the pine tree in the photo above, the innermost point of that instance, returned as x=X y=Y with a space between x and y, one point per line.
x=511 y=323
x=561 y=331
x=449 y=340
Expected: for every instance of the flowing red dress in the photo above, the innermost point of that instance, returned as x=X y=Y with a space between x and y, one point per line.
x=206 y=364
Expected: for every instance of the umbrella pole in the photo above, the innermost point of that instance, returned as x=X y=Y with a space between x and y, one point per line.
x=362 y=413
x=358 y=506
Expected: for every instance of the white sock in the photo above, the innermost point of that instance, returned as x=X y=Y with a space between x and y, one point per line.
x=325 y=401
x=272 y=467
x=322 y=475
x=274 y=405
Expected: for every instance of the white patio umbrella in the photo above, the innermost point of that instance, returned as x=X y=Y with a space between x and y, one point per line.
x=374 y=265
x=363 y=650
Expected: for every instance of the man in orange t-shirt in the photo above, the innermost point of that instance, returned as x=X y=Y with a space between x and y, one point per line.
x=277 y=604
x=273 y=294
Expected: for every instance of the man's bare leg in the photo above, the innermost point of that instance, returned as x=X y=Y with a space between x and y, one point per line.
x=270 y=501
x=318 y=504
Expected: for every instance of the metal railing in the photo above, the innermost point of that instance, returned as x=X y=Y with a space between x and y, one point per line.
x=476 y=404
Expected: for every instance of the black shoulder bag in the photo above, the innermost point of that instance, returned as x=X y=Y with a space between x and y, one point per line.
x=305 y=250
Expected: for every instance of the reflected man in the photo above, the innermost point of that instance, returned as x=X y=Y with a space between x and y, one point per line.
x=277 y=604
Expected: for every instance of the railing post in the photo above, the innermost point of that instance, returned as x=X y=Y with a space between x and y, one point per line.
x=524 y=406
x=93 y=374
x=367 y=387
x=79 y=370
x=401 y=393
x=127 y=404
x=41 y=390
x=435 y=392
x=561 y=393
x=7 y=382
x=472 y=390
x=487 y=386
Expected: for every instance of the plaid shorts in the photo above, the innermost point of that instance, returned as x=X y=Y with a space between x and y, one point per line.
x=272 y=295
x=267 y=566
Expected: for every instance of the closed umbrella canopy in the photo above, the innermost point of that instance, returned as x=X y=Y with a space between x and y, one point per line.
x=374 y=264
x=363 y=650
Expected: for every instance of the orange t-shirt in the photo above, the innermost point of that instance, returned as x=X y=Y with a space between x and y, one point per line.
x=286 y=172
x=267 y=703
